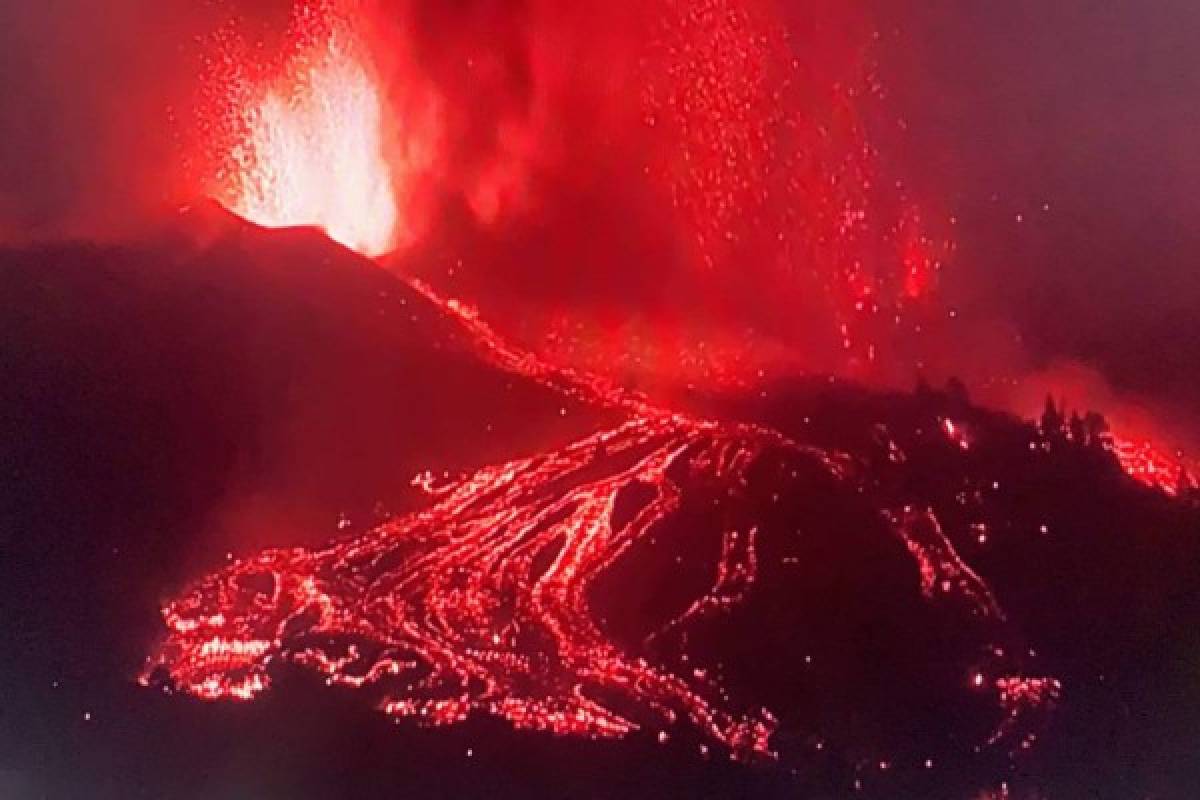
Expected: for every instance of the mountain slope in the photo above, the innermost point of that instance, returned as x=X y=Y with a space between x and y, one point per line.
x=848 y=561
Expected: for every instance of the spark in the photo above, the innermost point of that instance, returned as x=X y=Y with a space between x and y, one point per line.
x=765 y=156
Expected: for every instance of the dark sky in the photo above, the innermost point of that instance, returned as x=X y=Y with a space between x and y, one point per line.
x=1061 y=135
x=1088 y=108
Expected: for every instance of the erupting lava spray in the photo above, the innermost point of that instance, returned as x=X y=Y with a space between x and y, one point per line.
x=480 y=601
x=302 y=138
x=329 y=128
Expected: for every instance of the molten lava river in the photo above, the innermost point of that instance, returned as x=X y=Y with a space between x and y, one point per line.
x=482 y=601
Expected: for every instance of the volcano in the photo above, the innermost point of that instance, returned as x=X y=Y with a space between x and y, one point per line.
x=290 y=477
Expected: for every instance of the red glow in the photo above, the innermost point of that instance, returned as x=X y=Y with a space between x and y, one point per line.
x=478 y=603
x=444 y=612
x=300 y=142
x=766 y=157
x=1139 y=434
x=957 y=433
x=758 y=145
x=463 y=622
x=1152 y=466
x=918 y=257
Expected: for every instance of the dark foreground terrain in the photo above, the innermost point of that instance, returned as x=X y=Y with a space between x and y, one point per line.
x=217 y=390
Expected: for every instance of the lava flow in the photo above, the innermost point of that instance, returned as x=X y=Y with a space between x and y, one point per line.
x=448 y=610
x=480 y=602
x=1151 y=466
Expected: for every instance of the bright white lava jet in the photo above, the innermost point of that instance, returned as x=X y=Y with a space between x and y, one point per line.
x=313 y=155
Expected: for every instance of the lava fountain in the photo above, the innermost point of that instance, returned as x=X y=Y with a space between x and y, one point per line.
x=301 y=142
x=314 y=156
x=480 y=601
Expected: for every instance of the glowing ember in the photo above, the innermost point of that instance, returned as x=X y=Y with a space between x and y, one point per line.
x=479 y=603
x=957 y=433
x=1019 y=695
x=1147 y=464
x=1141 y=458
x=942 y=570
